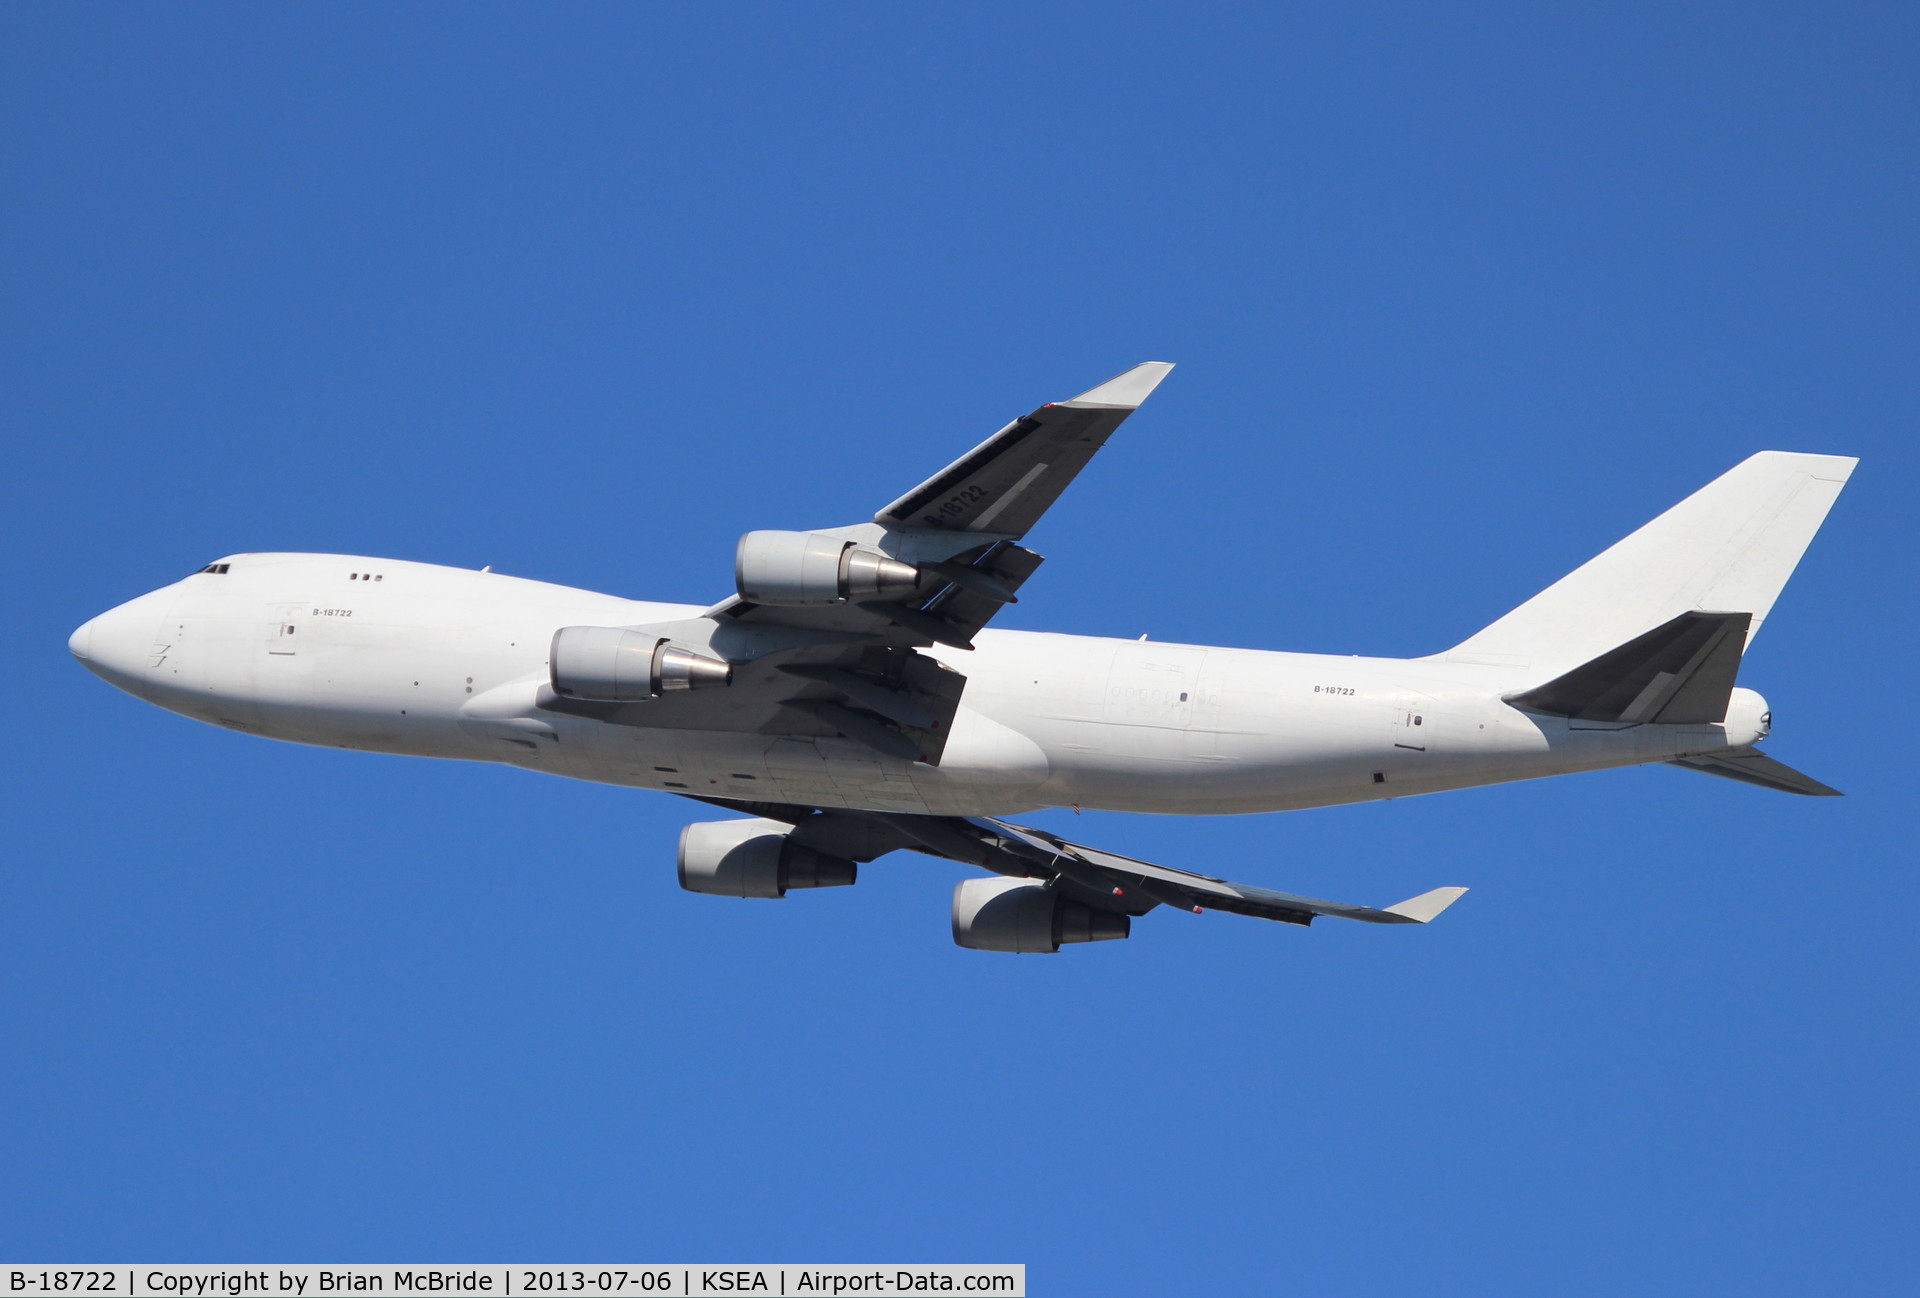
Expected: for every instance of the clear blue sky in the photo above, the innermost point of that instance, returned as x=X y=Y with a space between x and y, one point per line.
x=1460 y=294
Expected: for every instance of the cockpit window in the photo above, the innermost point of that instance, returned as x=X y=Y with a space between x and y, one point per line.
x=214 y=567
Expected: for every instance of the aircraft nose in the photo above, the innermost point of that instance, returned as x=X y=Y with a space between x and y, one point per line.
x=117 y=646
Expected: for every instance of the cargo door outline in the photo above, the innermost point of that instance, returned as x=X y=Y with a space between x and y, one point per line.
x=1153 y=685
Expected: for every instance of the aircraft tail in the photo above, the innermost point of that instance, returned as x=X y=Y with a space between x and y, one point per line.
x=1729 y=547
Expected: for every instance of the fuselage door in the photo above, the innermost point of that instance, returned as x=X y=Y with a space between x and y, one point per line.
x=283 y=632
x=1412 y=726
x=283 y=673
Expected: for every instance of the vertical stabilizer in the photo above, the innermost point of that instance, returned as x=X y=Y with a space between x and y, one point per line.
x=1729 y=547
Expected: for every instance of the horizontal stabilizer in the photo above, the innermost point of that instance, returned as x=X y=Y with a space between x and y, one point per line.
x=1752 y=766
x=1428 y=904
x=1679 y=673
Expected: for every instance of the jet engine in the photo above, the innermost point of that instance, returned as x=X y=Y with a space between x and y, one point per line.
x=1023 y=916
x=754 y=858
x=808 y=568
x=611 y=665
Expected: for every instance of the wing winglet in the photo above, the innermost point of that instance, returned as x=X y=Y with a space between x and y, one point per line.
x=1428 y=904
x=1125 y=391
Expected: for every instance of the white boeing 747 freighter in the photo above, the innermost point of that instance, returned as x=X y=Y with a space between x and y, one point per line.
x=849 y=700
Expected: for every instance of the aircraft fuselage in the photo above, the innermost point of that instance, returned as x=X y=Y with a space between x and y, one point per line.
x=399 y=657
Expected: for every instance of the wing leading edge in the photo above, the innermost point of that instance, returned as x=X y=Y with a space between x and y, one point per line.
x=1093 y=877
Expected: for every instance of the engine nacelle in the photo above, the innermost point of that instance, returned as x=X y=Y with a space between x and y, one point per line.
x=808 y=568
x=754 y=858
x=612 y=665
x=1023 y=916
